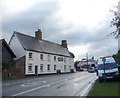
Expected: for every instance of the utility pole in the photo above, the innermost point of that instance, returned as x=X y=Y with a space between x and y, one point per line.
x=87 y=58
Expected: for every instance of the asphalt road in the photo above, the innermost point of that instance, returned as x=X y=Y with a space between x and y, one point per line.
x=71 y=84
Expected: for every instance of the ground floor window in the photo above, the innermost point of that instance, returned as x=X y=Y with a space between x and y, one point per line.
x=64 y=67
x=30 y=68
x=41 y=67
x=48 y=67
x=70 y=67
x=55 y=67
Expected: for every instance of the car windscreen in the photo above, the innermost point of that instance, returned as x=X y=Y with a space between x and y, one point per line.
x=107 y=66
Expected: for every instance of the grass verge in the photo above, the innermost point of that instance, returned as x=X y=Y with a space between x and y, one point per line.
x=109 y=88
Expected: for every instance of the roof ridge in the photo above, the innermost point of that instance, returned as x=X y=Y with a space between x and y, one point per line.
x=24 y=34
x=36 y=39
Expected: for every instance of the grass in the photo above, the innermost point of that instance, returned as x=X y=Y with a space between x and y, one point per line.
x=109 y=88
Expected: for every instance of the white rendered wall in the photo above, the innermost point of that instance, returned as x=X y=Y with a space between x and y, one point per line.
x=36 y=61
x=17 y=47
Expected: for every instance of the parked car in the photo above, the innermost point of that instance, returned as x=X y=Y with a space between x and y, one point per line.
x=91 y=69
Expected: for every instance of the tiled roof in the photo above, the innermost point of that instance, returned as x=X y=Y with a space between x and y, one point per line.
x=2 y=41
x=31 y=43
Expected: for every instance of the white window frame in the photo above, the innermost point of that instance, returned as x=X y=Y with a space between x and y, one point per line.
x=48 y=67
x=41 y=68
x=55 y=67
x=55 y=58
x=41 y=57
x=65 y=67
x=65 y=59
x=30 y=70
x=49 y=58
x=30 y=55
x=69 y=66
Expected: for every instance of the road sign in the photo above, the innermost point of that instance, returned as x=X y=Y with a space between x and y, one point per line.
x=104 y=60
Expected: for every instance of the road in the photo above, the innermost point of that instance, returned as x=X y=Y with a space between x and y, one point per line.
x=71 y=84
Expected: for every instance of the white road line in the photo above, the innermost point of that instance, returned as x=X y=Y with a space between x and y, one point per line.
x=7 y=84
x=48 y=85
x=30 y=90
x=87 y=89
x=44 y=81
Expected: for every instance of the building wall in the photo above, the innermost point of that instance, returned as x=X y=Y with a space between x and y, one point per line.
x=17 y=47
x=36 y=61
x=6 y=56
x=0 y=52
x=20 y=67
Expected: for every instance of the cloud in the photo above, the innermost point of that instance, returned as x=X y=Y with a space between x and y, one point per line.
x=46 y=16
x=38 y=16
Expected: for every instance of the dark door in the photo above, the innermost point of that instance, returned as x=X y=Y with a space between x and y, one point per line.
x=36 y=70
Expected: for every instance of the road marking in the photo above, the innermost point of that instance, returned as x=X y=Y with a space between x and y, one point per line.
x=44 y=81
x=22 y=85
x=87 y=88
x=7 y=84
x=48 y=85
x=30 y=90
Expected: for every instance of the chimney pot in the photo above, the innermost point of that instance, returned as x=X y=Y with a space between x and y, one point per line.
x=64 y=43
x=38 y=34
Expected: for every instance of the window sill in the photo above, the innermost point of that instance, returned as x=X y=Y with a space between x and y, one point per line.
x=30 y=72
x=30 y=59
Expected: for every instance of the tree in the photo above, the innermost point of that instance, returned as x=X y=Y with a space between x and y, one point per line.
x=116 y=23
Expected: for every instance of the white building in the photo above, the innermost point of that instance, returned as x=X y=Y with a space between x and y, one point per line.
x=41 y=56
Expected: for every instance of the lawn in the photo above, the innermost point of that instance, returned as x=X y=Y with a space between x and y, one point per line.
x=109 y=88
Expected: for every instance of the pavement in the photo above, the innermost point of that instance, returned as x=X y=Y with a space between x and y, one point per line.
x=71 y=84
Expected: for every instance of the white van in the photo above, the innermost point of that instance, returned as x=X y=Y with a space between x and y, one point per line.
x=108 y=66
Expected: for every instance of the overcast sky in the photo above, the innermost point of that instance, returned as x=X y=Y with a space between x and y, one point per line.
x=85 y=24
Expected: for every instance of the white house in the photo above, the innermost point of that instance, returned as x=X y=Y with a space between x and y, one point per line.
x=41 y=56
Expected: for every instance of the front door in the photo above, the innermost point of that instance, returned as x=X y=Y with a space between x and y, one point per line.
x=36 y=70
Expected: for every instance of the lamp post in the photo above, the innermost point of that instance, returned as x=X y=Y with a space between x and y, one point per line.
x=104 y=60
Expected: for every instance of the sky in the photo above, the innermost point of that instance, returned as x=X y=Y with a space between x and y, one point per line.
x=85 y=24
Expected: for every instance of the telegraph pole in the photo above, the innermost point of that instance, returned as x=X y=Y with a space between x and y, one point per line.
x=87 y=58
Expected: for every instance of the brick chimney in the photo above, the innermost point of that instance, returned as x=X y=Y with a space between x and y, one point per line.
x=64 y=43
x=38 y=34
